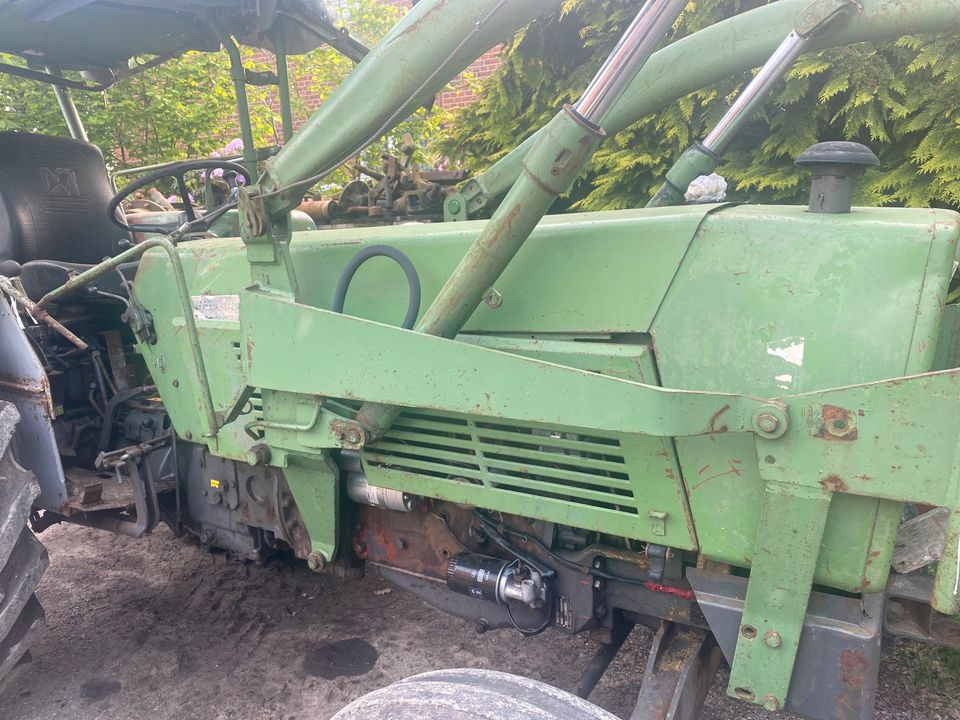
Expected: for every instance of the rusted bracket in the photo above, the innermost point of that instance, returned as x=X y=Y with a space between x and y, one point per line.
x=841 y=441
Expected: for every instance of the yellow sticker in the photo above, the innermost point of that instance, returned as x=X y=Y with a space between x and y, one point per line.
x=215 y=484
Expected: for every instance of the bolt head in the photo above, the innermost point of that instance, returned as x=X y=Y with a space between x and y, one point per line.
x=316 y=561
x=771 y=703
x=772 y=639
x=768 y=422
x=259 y=454
x=454 y=206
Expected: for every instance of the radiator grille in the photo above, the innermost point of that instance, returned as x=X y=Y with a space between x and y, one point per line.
x=524 y=459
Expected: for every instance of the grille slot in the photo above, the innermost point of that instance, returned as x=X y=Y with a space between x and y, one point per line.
x=524 y=459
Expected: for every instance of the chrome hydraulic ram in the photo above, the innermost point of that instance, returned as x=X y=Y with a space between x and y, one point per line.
x=702 y=158
x=737 y=44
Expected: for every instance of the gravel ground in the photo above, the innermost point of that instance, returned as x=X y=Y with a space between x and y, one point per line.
x=161 y=628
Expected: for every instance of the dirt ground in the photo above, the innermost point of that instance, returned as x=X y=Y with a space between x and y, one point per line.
x=160 y=628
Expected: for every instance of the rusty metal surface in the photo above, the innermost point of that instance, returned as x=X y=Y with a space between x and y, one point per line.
x=678 y=675
x=908 y=613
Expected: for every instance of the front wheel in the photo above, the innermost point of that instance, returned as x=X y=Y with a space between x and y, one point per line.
x=23 y=559
x=470 y=695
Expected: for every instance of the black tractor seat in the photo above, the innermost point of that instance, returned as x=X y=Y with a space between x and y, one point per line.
x=54 y=194
x=39 y=277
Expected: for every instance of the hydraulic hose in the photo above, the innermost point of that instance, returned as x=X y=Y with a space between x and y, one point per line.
x=372 y=251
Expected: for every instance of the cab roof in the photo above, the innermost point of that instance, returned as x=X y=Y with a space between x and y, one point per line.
x=101 y=36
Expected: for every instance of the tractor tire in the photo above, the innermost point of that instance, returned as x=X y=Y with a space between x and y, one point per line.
x=23 y=559
x=470 y=694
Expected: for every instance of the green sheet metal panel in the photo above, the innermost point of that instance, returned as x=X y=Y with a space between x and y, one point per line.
x=778 y=301
x=551 y=288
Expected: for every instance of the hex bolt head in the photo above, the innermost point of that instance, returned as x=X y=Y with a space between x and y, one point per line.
x=771 y=703
x=772 y=639
x=768 y=422
x=316 y=561
x=453 y=206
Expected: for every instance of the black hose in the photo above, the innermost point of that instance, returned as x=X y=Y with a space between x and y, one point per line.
x=530 y=632
x=372 y=251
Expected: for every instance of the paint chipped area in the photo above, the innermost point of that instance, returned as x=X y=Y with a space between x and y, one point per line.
x=789 y=349
x=784 y=381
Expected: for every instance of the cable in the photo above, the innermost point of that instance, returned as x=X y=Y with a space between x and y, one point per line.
x=372 y=251
x=530 y=632
x=570 y=564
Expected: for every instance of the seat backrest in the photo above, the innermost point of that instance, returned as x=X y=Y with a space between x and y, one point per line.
x=54 y=194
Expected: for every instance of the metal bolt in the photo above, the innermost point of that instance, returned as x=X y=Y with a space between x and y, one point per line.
x=770 y=703
x=454 y=206
x=188 y=435
x=259 y=454
x=316 y=561
x=772 y=639
x=768 y=422
x=175 y=382
x=493 y=298
x=353 y=437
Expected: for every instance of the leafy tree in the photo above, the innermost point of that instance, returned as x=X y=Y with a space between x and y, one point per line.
x=186 y=107
x=898 y=97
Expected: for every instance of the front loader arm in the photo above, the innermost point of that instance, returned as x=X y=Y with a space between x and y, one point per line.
x=735 y=45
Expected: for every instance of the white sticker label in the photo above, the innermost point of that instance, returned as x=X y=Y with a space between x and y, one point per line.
x=789 y=349
x=216 y=307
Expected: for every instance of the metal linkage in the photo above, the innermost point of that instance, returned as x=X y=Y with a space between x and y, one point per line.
x=239 y=77
x=550 y=170
x=68 y=108
x=737 y=44
x=702 y=158
x=183 y=295
x=679 y=673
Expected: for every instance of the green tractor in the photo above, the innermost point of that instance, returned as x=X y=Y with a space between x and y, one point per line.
x=703 y=418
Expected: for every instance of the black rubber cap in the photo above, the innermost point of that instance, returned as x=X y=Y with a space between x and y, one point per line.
x=838 y=152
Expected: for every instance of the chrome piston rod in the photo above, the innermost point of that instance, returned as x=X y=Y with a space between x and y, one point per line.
x=628 y=56
x=754 y=95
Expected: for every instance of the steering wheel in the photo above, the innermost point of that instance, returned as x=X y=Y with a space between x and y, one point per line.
x=177 y=171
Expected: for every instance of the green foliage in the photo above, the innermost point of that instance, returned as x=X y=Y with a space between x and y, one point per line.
x=186 y=107
x=899 y=98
